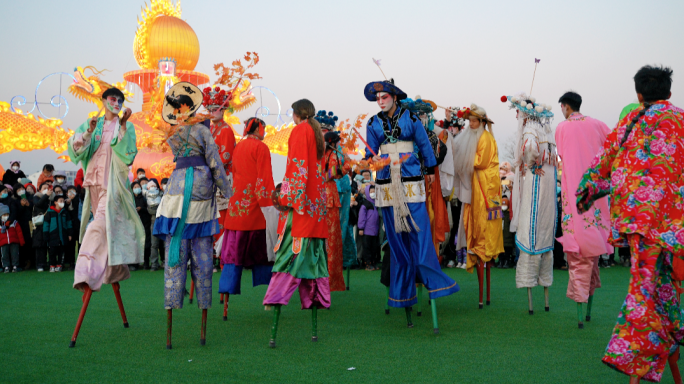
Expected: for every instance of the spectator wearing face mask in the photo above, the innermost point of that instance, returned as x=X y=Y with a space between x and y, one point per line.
x=41 y=203
x=71 y=205
x=60 y=179
x=13 y=174
x=506 y=259
x=46 y=174
x=369 y=225
x=141 y=207
x=24 y=203
x=143 y=184
x=11 y=239
x=140 y=173
x=154 y=195
x=7 y=199
x=57 y=232
x=164 y=181
x=57 y=191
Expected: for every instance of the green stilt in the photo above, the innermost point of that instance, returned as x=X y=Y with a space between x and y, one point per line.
x=274 y=328
x=348 y=271
x=420 y=297
x=408 y=317
x=314 y=324
x=591 y=300
x=387 y=303
x=435 y=326
x=579 y=316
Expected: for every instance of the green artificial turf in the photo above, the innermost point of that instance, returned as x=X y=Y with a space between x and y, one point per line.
x=501 y=343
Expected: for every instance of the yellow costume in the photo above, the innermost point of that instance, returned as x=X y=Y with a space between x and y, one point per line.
x=484 y=237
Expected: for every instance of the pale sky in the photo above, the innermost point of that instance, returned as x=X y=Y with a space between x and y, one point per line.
x=452 y=52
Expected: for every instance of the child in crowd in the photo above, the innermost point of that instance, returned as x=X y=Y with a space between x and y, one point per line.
x=11 y=238
x=60 y=179
x=41 y=203
x=369 y=229
x=506 y=258
x=57 y=232
x=154 y=196
x=46 y=175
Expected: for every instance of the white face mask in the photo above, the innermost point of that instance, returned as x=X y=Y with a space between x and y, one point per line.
x=15 y=168
x=372 y=195
x=61 y=205
x=152 y=190
x=21 y=192
x=72 y=193
x=504 y=207
x=59 y=181
x=5 y=218
x=141 y=175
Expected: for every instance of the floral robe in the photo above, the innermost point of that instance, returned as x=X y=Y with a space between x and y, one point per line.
x=334 y=170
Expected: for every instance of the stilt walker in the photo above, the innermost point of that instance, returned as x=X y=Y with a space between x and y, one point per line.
x=187 y=217
x=477 y=186
x=249 y=209
x=534 y=194
x=105 y=147
x=640 y=166
x=397 y=136
x=585 y=237
x=301 y=261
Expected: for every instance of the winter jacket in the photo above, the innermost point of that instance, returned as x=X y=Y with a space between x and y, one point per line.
x=24 y=215
x=13 y=205
x=74 y=212
x=41 y=203
x=11 y=234
x=369 y=221
x=141 y=202
x=11 y=178
x=508 y=240
x=57 y=227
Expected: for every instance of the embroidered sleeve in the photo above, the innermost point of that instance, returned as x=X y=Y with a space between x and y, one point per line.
x=293 y=189
x=264 y=184
x=595 y=183
x=213 y=159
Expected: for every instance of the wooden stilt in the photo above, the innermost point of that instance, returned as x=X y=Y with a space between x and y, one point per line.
x=192 y=289
x=274 y=327
x=387 y=303
x=314 y=323
x=419 y=292
x=580 y=325
x=480 y=278
x=221 y=301
x=117 y=294
x=408 y=317
x=86 y=299
x=546 y=299
x=203 y=331
x=591 y=301
x=489 y=270
x=225 y=306
x=529 y=298
x=674 y=367
x=435 y=326
x=169 y=321
x=348 y=275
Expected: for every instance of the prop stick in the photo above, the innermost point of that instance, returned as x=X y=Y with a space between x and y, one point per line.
x=377 y=62
x=536 y=61
x=364 y=141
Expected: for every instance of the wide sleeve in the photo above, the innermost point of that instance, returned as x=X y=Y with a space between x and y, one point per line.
x=447 y=169
x=371 y=138
x=559 y=139
x=485 y=150
x=123 y=144
x=293 y=189
x=79 y=144
x=530 y=147
x=420 y=138
x=264 y=184
x=213 y=159
x=225 y=141
x=595 y=182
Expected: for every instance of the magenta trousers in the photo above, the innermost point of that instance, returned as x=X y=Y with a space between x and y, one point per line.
x=311 y=291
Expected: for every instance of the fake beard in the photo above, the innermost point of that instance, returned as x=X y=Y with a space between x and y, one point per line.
x=465 y=148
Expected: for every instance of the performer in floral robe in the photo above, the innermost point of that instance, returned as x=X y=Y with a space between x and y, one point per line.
x=585 y=237
x=641 y=165
x=397 y=134
x=105 y=147
x=301 y=261
x=187 y=217
x=244 y=239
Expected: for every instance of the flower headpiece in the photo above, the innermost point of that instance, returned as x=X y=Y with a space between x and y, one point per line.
x=216 y=97
x=327 y=120
x=528 y=105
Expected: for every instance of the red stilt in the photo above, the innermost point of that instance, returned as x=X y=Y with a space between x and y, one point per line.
x=221 y=301
x=674 y=368
x=192 y=289
x=225 y=307
x=116 y=288
x=169 y=321
x=203 y=332
x=489 y=270
x=480 y=277
x=86 y=299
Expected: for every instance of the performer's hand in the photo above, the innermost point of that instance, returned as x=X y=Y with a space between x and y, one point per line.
x=448 y=113
x=582 y=205
x=430 y=178
x=92 y=124
x=126 y=115
x=376 y=158
x=539 y=172
x=69 y=238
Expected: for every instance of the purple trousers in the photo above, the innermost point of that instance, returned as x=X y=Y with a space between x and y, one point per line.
x=311 y=291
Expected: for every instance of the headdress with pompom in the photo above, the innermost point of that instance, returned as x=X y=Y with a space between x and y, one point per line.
x=328 y=120
x=529 y=106
x=216 y=97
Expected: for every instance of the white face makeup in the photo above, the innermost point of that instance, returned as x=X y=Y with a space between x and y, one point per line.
x=385 y=101
x=113 y=104
x=216 y=113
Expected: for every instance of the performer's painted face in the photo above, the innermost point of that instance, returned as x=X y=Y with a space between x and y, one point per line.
x=385 y=101
x=474 y=122
x=113 y=104
x=216 y=113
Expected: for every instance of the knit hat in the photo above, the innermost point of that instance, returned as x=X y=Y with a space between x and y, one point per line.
x=4 y=210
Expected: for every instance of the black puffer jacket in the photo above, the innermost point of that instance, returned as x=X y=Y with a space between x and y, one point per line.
x=41 y=203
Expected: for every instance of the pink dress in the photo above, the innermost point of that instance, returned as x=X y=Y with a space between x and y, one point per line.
x=585 y=236
x=92 y=266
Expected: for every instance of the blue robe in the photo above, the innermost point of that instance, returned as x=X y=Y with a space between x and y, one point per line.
x=413 y=256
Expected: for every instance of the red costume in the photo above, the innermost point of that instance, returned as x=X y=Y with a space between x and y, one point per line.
x=333 y=171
